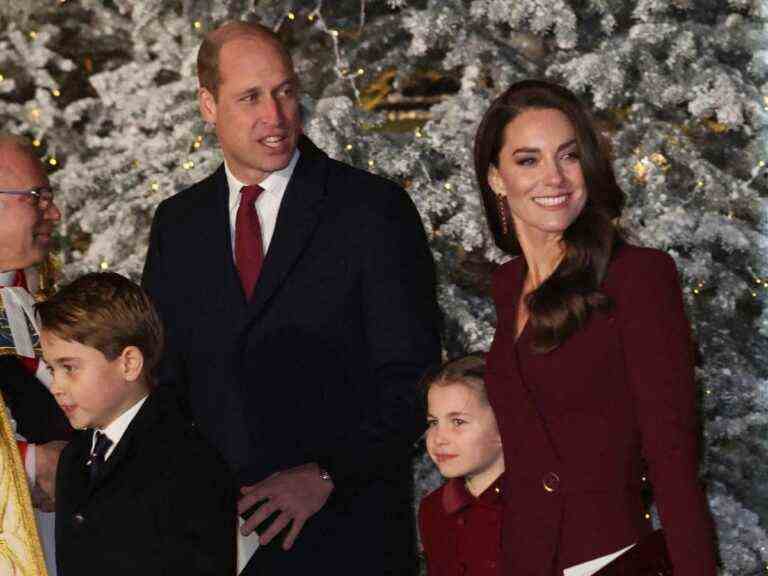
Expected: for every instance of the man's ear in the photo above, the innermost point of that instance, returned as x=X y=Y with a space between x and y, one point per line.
x=131 y=363
x=207 y=104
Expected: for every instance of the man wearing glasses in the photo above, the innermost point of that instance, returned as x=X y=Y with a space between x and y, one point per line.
x=28 y=216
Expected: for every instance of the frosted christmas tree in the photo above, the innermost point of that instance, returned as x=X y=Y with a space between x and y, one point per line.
x=106 y=89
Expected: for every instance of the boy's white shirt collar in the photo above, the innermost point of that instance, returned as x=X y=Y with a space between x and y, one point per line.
x=119 y=425
x=274 y=184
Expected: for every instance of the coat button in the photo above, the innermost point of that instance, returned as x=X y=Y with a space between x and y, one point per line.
x=551 y=482
x=78 y=519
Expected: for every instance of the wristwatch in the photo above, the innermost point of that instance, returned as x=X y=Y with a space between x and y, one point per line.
x=325 y=475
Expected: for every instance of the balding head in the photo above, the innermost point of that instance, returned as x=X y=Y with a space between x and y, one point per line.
x=25 y=225
x=15 y=149
x=208 y=54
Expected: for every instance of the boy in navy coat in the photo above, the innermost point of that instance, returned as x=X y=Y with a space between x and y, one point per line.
x=138 y=491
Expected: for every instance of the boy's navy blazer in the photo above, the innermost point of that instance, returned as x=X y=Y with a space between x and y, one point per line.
x=164 y=502
x=322 y=364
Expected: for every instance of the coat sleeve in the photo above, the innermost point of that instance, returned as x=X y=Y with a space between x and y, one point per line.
x=170 y=372
x=203 y=540
x=426 y=532
x=401 y=327
x=38 y=417
x=659 y=364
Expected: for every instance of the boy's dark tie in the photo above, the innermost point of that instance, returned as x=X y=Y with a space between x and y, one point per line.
x=96 y=462
x=249 y=252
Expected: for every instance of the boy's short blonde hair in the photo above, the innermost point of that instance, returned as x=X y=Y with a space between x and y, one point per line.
x=108 y=312
x=467 y=370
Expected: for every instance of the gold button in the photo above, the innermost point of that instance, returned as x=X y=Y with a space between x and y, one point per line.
x=551 y=482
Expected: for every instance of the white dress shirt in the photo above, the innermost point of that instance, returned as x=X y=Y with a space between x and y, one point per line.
x=117 y=428
x=267 y=204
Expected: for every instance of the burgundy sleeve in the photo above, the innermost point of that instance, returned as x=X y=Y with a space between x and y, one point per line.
x=426 y=531
x=659 y=364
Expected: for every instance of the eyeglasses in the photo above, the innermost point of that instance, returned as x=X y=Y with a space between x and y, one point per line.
x=41 y=198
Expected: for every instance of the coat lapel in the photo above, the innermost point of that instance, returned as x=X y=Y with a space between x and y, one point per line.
x=77 y=483
x=133 y=437
x=296 y=223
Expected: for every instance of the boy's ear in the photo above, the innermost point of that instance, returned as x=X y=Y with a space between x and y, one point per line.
x=131 y=363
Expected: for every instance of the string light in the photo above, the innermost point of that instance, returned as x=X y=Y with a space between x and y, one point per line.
x=155 y=186
x=647 y=516
x=32 y=34
x=34 y=114
x=56 y=93
x=448 y=186
x=104 y=265
x=197 y=24
x=52 y=161
x=335 y=33
x=291 y=16
x=348 y=147
x=311 y=17
x=188 y=165
x=2 y=77
x=36 y=143
x=418 y=133
x=370 y=163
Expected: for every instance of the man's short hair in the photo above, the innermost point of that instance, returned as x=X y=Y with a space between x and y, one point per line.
x=208 y=54
x=108 y=312
x=467 y=371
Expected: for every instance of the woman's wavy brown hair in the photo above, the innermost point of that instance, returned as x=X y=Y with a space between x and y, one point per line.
x=564 y=301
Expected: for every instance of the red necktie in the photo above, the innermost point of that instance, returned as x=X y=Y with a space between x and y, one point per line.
x=249 y=252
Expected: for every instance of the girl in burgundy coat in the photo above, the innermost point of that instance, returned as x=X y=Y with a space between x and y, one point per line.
x=460 y=522
x=590 y=373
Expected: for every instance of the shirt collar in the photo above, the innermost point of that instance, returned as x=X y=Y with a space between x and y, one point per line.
x=7 y=278
x=119 y=425
x=275 y=183
x=456 y=497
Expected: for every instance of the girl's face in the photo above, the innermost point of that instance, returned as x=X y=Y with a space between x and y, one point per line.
x=462 y=436
x=540 y=174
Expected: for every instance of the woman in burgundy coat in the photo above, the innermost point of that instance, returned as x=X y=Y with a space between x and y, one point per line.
x=590 y=373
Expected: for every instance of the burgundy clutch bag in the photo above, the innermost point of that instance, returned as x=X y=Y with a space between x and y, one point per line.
x=648 y=558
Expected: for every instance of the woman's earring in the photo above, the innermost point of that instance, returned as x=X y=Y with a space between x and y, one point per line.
x=497 y=187
x=503 y=207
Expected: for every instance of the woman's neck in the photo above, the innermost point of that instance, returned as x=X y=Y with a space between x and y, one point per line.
x=542 y=255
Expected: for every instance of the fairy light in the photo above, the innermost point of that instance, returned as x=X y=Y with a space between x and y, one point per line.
x=56 y=93
x=448 y=186
x=104 y=265
x=155 y=186
x=370 y=163
x=348 y=147
x=291 y=16
x=197 y=24
x=2 y=77
x=52 y=161
x=33 y=34
x=36 y=143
